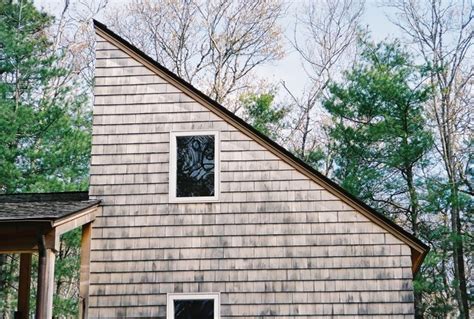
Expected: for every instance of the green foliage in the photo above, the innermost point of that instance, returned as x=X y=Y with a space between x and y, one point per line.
x=382 y=141
x=44 y=133
x=262 y=114
x=8 y=275
x=44 y=128
x=67 y=275
x=436 y=275
x=431 y=283
x=315 y=157
x=379 y=127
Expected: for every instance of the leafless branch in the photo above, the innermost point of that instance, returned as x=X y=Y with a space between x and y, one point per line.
x=215 y=45
x=323 y=37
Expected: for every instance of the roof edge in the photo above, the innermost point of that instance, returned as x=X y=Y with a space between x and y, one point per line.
x=44 y=197
x=416 y=244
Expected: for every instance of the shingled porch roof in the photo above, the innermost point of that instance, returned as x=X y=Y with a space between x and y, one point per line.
x=34 y=222
x=43 y=206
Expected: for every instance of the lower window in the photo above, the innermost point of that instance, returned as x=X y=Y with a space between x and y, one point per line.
x=193 y=306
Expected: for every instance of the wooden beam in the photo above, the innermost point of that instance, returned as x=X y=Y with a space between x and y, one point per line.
x=19 y=237
x=78 y=219
x=85 y=271
x=24 y=287
x=44 y=297
x=18 y=249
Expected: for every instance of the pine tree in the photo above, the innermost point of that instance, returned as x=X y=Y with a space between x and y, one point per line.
x=262 y=114
x=381 y=135
x=44 y=129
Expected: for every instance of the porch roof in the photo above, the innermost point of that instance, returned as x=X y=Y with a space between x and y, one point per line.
x=43 y=206
x=34 y=222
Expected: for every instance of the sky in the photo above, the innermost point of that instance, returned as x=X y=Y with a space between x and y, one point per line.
x=289 y=68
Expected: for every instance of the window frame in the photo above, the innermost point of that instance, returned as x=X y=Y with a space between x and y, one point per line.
x=171 y=297
x=173 y=168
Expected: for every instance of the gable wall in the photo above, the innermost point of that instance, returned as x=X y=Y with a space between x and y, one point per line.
x=275 y=245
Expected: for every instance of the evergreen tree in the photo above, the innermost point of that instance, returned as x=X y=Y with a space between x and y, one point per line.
x=44 y=131
x=44 y=128
x=262 y=114
x=381 y=136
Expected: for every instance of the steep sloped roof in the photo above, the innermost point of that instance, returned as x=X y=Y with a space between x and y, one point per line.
x=418 y=248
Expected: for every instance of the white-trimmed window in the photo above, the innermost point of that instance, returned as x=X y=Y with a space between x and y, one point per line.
x=197 y=305
x=194 y=166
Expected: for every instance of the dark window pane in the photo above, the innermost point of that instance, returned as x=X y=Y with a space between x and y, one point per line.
x=194 y=309
x=195 y=166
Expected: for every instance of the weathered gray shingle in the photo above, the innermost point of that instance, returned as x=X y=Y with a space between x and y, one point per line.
x=278 y=243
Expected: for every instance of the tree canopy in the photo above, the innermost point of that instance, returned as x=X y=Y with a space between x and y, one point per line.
x=44 y=120
x=45 y=130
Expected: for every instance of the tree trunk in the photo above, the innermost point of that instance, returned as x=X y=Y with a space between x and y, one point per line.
x=419 y=311
x=447 y=135
x=3 y=281
x=414 y=209
x=458 y=256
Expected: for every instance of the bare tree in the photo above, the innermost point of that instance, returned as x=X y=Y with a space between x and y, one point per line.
x=443 y=34
x=73 y=36
x=325 y=33
x=215 y=45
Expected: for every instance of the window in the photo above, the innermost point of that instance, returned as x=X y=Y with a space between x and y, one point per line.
x=193 y=306
x=194 y=166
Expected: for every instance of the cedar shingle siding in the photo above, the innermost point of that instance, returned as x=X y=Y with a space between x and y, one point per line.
x=275 y=245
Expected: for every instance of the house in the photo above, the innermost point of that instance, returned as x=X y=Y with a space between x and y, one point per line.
x=204 y=217
x=191 y=213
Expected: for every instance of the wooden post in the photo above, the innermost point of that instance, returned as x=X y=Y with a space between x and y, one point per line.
x=85 y=271
x=24 y=286
x=44 y=298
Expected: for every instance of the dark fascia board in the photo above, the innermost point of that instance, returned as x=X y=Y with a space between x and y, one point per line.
x=44 y=197
x=416 y=244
